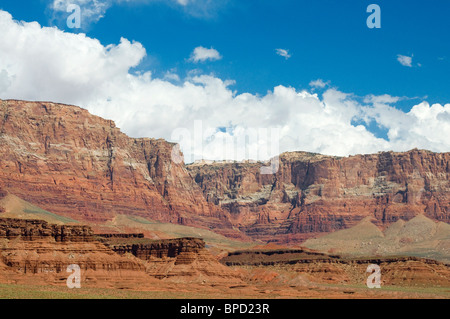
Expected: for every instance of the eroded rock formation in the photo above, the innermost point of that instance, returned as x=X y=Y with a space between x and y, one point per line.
x=318 y=267
x=165 y=248
x=74 y=164
x=313 y=193
x=175 y=259
x=30 y=230
x=34 y=251
x=34 y=247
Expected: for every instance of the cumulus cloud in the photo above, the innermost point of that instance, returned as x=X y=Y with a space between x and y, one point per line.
x=5 y=81
x=203 y=112
x=202 y=54
x=284 y=53
x=171 y=75
x=48 y=64
x=405 y=60
x=381 y=99
x=319 y=83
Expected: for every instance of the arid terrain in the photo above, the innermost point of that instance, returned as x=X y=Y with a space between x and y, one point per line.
x=35 y=255
x=74 y=189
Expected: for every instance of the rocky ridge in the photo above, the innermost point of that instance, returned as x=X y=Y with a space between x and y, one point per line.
x=34 y=247
x=78 y=165
x=81 y=166
x=318 y=267
x=313 y=194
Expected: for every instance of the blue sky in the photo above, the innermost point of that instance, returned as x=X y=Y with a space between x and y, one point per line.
x=328 y=39
x=325 y=39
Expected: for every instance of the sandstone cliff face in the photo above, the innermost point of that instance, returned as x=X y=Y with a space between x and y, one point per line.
x=37 y=229
x=37 y=248
x=165 y=248
x=74 y=164
x=313 y=194
x=3 y=194
x=177 y=259
x=33 y=251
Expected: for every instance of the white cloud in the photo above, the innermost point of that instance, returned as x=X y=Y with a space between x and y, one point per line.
x=48 y=64
x=94 y=10
x=381 y=99
x=405 y=60
x=171 y=76
x=5 y=81
x=319 y=83
x=424 y=126
x=91 y=10
x=202 y=54
x=284 y=53
x=38 y=63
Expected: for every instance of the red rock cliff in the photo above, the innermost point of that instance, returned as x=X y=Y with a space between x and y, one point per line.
x=72 y=163
x=312 y=193
x=75 y=164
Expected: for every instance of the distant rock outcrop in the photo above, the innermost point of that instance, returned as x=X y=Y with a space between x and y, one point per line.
x=420 y=236
x=318 y=267
x=312 y=194
x=34 y=247
x=176 y=258
x=165 y=248
x=33 y=251
x=30 y=230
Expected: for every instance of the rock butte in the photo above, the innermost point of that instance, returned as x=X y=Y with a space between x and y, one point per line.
x=42 y=251
x=78 y=165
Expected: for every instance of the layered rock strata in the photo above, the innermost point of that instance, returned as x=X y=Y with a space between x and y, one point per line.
x=318 y=267
x=178 y=259
x=75 y=164
x=312 y=193
x=34 y=247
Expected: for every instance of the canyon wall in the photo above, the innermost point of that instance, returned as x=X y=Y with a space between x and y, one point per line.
x=3 y=194
x=312 y=193
x=75 y=164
